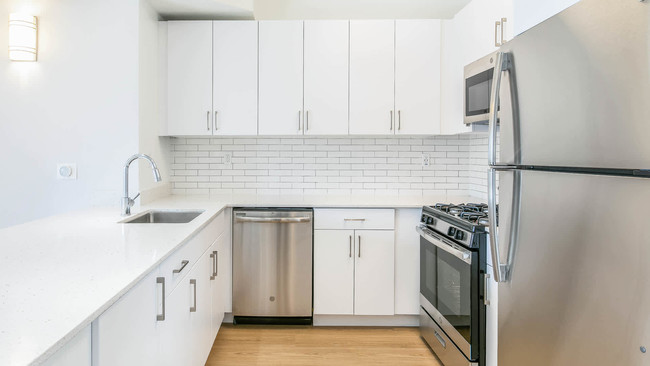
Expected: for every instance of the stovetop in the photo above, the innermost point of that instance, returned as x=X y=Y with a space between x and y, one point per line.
x=464 y=223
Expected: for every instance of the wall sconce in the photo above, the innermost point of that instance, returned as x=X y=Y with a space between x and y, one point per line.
x=23 y=35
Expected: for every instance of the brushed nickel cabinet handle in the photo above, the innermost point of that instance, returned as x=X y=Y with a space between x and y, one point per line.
x=215 y=120
x=399 y=120
x=350 y=246
x=354 y=219
x=307 y=120
x=496 y=31
x=299 y=121
x=207 y=120
x=182 y=267
x=359 y=246
x=161 y=317
x=193 y=308
x=503 y=29
x=391 y=120
x=212 y=276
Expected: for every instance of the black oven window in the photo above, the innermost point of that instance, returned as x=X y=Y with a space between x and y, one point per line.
x=477 y=93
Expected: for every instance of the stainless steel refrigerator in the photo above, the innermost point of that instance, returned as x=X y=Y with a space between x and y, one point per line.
x=573 y=191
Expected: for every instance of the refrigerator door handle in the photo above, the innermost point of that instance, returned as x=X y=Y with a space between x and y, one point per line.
x=503 y=63
x=502 y=272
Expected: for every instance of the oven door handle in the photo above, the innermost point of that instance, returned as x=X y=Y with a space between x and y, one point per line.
x=451 y=248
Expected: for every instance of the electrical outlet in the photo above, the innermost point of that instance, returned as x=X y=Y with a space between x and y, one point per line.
x=426 y=160
x=227 y=159
x=66 y=171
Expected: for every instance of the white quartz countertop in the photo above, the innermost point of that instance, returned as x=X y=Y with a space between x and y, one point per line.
x=59 y=273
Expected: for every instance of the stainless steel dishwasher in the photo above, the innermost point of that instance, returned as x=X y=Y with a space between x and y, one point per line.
x=272 y=265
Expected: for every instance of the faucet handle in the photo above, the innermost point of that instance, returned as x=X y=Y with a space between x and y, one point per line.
x=132 y=200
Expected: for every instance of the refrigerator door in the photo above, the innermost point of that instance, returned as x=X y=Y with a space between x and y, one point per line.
x=578 y=291
x=583 y=88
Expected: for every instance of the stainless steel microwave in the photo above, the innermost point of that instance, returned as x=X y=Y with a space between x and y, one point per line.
x=477 y=88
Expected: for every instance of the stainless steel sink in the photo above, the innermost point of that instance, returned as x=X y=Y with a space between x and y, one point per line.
x=163 y=217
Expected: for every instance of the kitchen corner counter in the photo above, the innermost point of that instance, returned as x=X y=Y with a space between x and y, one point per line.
x=59 y=273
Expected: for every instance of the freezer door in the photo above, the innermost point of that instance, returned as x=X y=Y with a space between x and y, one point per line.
x=579 y=286
x=583 y=88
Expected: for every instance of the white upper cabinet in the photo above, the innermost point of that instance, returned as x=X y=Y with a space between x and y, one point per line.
x=417 y=77
x=189 y=78
x=326 y=77
x=530 y=13
x=234 y=78
x=280 y=77
x=372 y=77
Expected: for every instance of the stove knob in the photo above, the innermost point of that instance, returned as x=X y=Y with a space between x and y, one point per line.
x=452 y=231
x=460 y=235
x=430 y=220
x=424 y=218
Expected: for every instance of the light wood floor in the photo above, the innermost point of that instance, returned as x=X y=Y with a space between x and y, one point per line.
x=304 y=345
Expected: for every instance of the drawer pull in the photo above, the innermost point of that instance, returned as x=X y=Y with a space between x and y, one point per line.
x=440 y=339
x=354 y=219
x=183 y=264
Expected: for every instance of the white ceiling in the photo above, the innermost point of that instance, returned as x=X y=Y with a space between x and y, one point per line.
x=307 y=9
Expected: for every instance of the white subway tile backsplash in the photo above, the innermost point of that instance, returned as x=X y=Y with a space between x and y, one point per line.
x=317 y=165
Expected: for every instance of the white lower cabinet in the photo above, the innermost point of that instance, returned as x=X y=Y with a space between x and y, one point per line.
x=218 y=283
x=354 y=272
x=154 y=325
x=407 y=261
x=491 y=320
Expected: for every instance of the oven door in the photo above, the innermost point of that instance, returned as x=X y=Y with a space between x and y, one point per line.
x=449 y=289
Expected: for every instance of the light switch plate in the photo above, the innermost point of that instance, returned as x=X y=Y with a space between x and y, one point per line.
x=67 y=171
x=426 y=159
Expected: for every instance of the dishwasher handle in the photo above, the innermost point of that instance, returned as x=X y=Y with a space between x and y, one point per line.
x=273 y=220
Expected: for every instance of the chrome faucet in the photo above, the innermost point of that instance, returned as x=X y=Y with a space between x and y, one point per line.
x=126 y=201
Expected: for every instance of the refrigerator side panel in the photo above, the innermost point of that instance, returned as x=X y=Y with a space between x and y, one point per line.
x=579 y=291
x=583 y=84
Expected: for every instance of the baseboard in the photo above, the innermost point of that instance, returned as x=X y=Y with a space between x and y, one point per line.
x=367 y=320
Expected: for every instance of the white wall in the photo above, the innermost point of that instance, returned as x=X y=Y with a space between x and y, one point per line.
x=78 y=103
x=149 y=106
x=357 y=9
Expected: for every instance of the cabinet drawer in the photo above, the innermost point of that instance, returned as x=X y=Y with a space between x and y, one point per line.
x=352 y=218
x=190 y=252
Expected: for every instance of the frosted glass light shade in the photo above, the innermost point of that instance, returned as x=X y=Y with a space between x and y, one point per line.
x=23 y=35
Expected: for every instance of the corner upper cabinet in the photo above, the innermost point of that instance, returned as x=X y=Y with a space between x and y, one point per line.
x=417 y=77
x=326 y=77
x=281 y=78
x=234 y=75
x=189 y=78
x=372 y=77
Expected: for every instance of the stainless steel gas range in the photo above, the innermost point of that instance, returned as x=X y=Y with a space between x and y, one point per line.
x=453 y=241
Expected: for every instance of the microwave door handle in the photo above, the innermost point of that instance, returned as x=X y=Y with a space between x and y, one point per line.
x=503 y=272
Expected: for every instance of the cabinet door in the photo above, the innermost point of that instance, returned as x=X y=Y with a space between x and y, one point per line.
x=280 y=78
x=176 y=339
x=374 y=272
x=189 y=78
x=407 y=262
x=326 y=77
x=201 y=309
x=417 y=77
x=491 y=320
x=127 y=333
x=234 y=78
x=372 y=77
x=334 y=272
x=217 y=284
